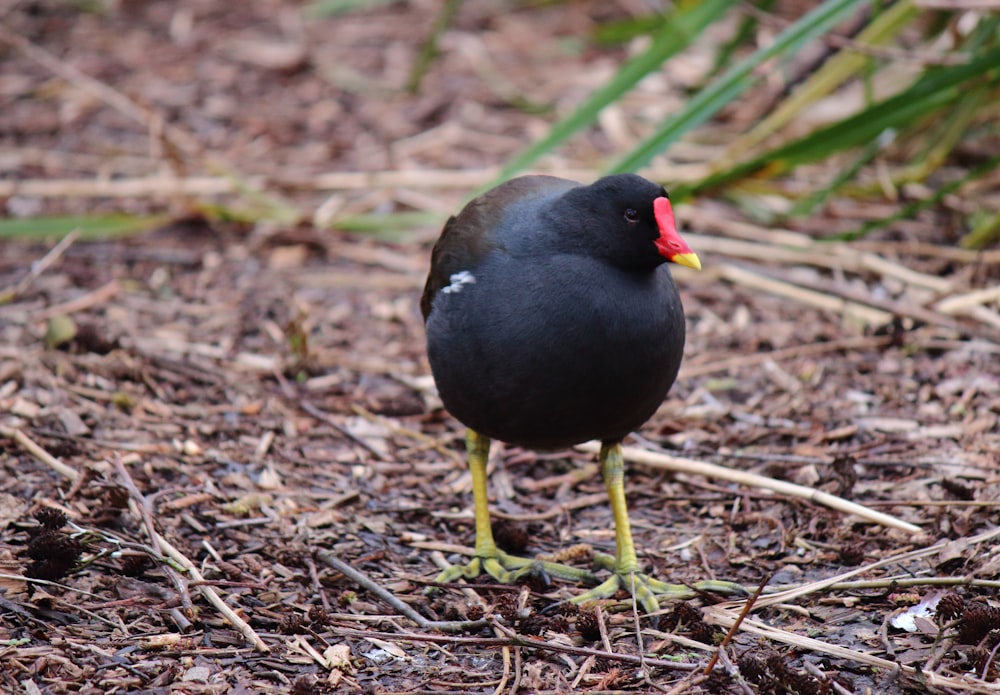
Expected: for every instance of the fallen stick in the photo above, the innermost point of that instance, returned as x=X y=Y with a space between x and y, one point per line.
x=709 y=470
x=138 y=505
x=29 y=445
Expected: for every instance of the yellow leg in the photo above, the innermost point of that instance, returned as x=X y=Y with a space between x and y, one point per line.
x=488 y=558
x=624 y=566
x=613 y=471
x=478 y=448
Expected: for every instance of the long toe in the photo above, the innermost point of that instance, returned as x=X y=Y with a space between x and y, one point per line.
x=647 y=590
x=507 y=569
x=636 y=584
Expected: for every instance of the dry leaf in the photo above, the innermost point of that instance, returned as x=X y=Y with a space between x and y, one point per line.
x=338 y=656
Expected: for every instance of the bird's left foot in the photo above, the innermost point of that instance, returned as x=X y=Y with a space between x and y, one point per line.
x=648 y=590
x=507 y=569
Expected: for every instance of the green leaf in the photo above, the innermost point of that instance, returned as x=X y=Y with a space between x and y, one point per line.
x=59 y=330
x=735 y=81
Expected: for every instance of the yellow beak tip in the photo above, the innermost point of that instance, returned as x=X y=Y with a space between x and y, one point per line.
x=689 y=260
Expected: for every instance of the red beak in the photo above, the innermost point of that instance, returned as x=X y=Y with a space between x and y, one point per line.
x=669 y=244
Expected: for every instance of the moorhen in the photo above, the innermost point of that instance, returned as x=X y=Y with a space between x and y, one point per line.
x=552 y=319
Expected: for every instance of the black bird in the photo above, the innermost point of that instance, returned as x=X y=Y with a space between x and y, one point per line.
x=552 y=319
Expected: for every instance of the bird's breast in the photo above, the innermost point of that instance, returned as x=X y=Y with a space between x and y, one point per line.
x=555 y=351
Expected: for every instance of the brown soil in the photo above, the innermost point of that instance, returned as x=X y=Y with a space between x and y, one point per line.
x=258 y=393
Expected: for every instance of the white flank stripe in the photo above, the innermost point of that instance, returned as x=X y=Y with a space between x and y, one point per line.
x=459 y=280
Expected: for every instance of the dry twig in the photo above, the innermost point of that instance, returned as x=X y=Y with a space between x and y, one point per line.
x=363 y=580
x=29 y=445
x=744 y=612
x=137 y=502
x=95 y=298
x=39 y=267
x=683 y=465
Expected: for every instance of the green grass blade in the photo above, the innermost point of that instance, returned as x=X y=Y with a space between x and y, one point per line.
x=946 y=135
x=735 y=81
x=330 y=8
x=624 y=30
x=809 y=204
x=934 y=90
x=677 y=31
x=985 y=231
x=90 y=227
x=743 y=36
x=388 y=226
x=984 y=169
x=831 y=75
x=429 y=49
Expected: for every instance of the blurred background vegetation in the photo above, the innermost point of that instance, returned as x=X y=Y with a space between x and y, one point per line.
x=857 y=113
x=917 y=84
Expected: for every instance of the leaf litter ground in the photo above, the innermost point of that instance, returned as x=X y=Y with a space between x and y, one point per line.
x=253 y=402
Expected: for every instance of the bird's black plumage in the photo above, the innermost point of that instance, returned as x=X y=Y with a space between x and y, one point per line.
x=551 y=316
x=552 y=319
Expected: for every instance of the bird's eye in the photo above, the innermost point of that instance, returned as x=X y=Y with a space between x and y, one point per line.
x=632 y=215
